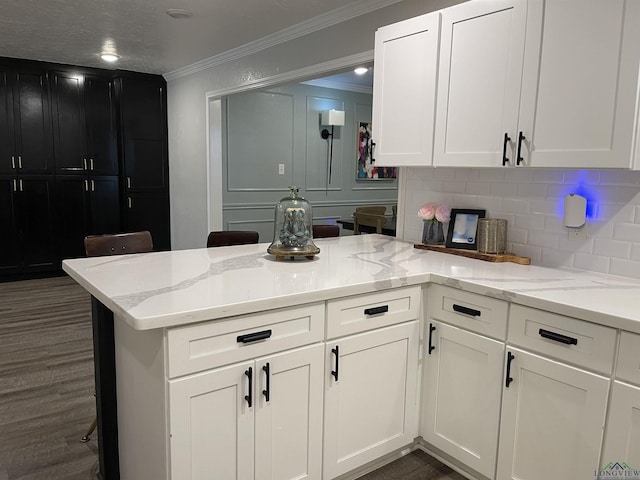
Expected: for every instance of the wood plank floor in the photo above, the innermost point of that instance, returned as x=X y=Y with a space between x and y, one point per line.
x=46 y=388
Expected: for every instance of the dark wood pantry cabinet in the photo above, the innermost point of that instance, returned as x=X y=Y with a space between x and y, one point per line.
x=25 y=120
x=83 y=151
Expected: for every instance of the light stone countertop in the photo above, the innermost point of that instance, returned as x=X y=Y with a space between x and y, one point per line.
x=165 y=289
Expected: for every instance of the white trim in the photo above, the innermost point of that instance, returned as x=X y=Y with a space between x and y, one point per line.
x=214 y=163
x=349 y=87
x=325 y=68
x=311 y=25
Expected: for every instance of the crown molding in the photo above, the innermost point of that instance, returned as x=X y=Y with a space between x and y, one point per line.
x=314 y=24
x=294 y=75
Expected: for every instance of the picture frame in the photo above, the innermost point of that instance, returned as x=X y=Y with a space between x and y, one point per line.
x=366 y=168
x=463 y=228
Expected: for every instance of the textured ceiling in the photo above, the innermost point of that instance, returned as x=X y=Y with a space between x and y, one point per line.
x=145 y=37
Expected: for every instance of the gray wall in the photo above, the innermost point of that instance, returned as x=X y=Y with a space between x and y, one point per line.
x=264 y=129
x=189 y=93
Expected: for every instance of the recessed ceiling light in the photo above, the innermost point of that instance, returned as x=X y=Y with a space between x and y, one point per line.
x=179 y=13
x=361 y=70
x=109 y=57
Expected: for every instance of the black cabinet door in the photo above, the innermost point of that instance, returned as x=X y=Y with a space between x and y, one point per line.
x=68 y=122
x=32 y=122
x=100 y=118
x=36 y=223
x=104 y=199
x=10 y=255
x=149 y=211
x=143 y=119
x=72 y=214
x=7 y=144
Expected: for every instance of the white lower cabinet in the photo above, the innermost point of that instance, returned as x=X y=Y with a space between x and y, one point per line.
x=622 y=438
x=259 y=419
x=370 y=396
x=461 y=395
x=552 y=419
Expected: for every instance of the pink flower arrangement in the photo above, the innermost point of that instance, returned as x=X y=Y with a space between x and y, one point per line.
x=435 y=213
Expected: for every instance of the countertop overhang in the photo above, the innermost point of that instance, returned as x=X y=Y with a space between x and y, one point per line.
x=167 y=289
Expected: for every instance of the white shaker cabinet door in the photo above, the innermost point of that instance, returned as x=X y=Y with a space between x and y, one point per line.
x=461 y=395
x=370 y=396
x=479 y=79
x=552 y=420
x=404 y=91
x=622 y=437
x=289 y=415
x=580 y=81
x=211 y=425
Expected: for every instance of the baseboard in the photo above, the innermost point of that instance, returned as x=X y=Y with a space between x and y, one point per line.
x=378 y=463
x=448 y=461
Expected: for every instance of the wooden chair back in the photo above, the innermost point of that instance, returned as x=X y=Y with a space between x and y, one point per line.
x=325 y=231
x=118 y=244
x=368 y=219
x=374 y=209
x=227 y=238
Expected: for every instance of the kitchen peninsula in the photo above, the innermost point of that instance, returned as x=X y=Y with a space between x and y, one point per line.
x=207 y=340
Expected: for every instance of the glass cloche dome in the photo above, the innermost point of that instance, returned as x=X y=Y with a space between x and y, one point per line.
x=292 y=231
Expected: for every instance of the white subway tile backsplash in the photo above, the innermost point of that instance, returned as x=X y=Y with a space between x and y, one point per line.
x=531 y=190
x=611 y=248
x=593 y=263
x=547 y=206
x=627 y=231
x=454 y=187
x=531 y=221
x=557 y=258
x=518 y=175
x=503 y=189
x=491 y=174
x=548 y=176
x=582 y=177
x=478 y=188
x=531 y=200
x=543 y=239
x=515 y=205
x=625 y=268
x=618 y=177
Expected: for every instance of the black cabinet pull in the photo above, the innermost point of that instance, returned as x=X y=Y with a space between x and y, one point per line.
x=507 y=139
x=249 y=398
x=519 y=159
x=254 y=337
x=431 y=329
x=336 y=352
x=376 y=310
x=466 y=310
x=267 y=371
x=557 y=337
x=510 y=356
x=373 y=147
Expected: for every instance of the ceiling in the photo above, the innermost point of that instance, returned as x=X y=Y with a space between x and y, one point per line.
x=145 y=37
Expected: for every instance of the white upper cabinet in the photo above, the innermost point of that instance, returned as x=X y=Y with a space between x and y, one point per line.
x=539 y=83
x=579 y=83
x=480 y=73
x=404 y=91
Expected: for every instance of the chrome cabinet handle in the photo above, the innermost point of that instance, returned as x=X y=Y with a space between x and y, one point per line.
x=91 y=163
x=129 y=202
x=128 y=182
x=15 y=185
x=93 y=186
x=86 y=185
x=13 y=162
x=19 y=161
x=84 y=162
x=21 y=186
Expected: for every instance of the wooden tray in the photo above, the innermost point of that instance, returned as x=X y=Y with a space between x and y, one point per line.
x=487 y=257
